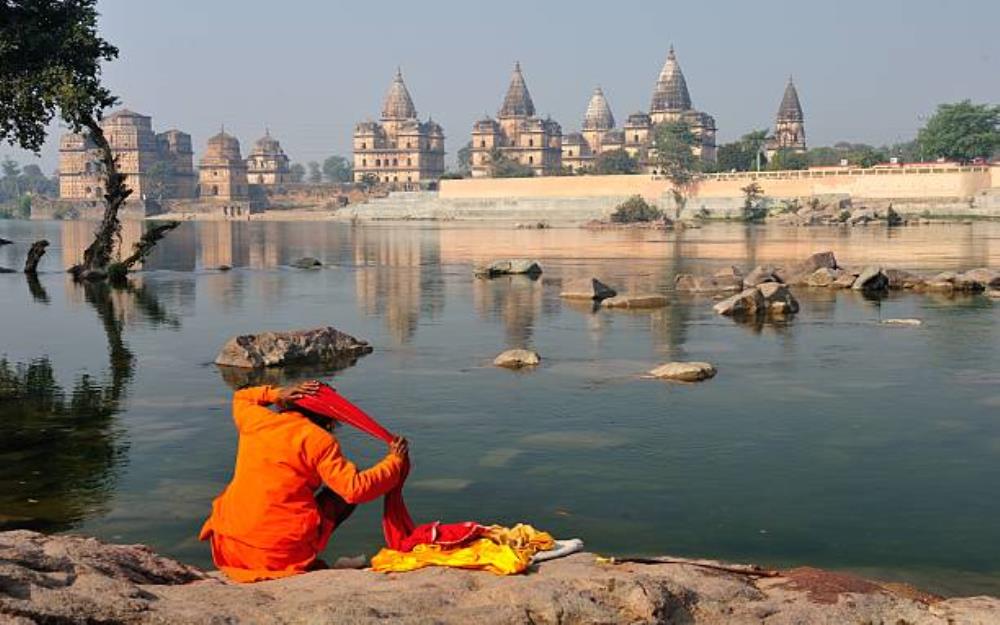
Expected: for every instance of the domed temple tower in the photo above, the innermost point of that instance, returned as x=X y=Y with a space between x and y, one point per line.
x=517 y=134
x=399 y=148
x=598 y=135
x=789 y=126
x=222 y=172
x=155 y=166
x=267 y=163
x=671 y=102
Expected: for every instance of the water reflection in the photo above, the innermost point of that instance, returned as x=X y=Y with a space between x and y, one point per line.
x=61 y=450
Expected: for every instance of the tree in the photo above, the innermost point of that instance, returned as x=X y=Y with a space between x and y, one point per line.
x=823 y=157
x=961 y=132
x=158 y=175
x=753 y=196
x=615 y=162
x=338 y=169
x=297 y=172
x=788 y=159
x=50 y=64
x=865 y=156
x=635 y=210
x=465 y=159
x=502 y=166
x=673 y=148
x=315 y=175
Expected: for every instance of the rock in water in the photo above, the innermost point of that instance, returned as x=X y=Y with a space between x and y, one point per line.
x=684 y=371
x=899 y=279
x=977 y=280
x=4 y=241
x=778 y=299
x=747 y=302
x=822 y=277
x=307 y=262
x=993 y=293
x=689 y=283
x=517 y=358
x=590 y=289
x=871 y=279
x=845 y=280
x=276 y=349
x=760 y=275
x=902 y=322
x=639 y=300
x=515 y=266
x=800 y=272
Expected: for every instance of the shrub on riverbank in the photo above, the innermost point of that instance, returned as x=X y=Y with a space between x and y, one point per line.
x=635 y=210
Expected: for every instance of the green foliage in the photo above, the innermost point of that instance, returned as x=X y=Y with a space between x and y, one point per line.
x=18 y=185
x=452 y=175
x=788 y=159
x=315 y=175
x=615 y=162
x=158 y=175
x=50 y=62
x=503 y=167
x=635 y=210
x=297 y=172
x=338 y=169
x=961 y=132
x=742 y=155
x=673 y=147
x=465 y=159
x=753 y=203
x=823 y=157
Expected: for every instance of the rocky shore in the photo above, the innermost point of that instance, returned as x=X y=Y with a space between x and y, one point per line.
x=69 y=579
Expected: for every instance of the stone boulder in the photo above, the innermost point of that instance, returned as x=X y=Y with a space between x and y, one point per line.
x=638 y=300
x=862 y=216
x=745 y=303
x=684 y=371
x=943 y=282
x=589 y=289
x=778 y=299
x=689 y=283
x=760 y=275
x=822 y=277
x=892 y=218
x=4 y=241
x=224 y=268
x=799 y=272
x=900 y=279
x=509 y=267
x=901 y=322
x=68 y=579
x=276 y=349
x=993 y=293
x=517 y=359
x=845 y=280
x=871 y=280
x=977 y=280
x=307 y=262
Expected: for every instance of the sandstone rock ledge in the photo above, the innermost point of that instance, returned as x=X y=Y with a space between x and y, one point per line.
x=67 y=579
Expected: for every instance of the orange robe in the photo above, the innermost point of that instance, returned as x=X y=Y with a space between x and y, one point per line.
x=266 y=523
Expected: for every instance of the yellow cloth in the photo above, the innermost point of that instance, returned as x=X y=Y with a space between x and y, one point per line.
x=502 y=550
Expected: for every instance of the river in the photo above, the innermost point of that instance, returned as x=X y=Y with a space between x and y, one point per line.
x=827 y=440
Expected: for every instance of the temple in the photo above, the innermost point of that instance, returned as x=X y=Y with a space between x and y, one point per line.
x=517 y=135
x=156 y=166
x=580 y=149
x=789 y=125
x=399 y=148
x=222 y=172
x=267 y=164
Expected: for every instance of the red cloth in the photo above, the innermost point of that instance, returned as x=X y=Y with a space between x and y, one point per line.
x=400 y=532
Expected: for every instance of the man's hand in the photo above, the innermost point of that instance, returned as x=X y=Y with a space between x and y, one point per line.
x=290 y=394
x=400 y=446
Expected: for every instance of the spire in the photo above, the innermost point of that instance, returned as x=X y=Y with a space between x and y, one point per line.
x=517 y=102
x=671 y=92
x=598 y=116
x=790 y=109
x=398 y=104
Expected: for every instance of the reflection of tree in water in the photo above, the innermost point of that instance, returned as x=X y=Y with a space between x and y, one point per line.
x=61 y=449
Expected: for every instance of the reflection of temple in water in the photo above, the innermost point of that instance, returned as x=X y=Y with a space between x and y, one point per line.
x=516 y=301
x=397 y=277
x=75 y=236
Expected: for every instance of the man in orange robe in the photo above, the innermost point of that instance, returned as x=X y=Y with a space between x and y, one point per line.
x=291 y=488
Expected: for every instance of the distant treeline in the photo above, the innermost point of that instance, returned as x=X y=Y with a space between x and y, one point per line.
x=19 y=184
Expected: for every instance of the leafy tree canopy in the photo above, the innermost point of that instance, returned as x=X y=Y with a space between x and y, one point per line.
x=338 y=169
x=961 y=132
x=615 y=162
x=503 y=167
x=673 y=146
x=50 y=63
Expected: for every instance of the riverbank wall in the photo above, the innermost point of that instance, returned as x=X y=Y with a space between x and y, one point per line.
x=927 y=190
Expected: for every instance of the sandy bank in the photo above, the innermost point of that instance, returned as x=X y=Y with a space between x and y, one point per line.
x=66 y=579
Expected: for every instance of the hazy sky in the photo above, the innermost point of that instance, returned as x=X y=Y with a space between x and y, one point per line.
x=310 y=69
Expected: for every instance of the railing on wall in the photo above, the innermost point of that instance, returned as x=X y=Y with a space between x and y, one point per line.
x=846 y=171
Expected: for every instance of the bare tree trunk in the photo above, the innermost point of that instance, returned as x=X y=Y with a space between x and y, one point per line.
x=142 y=249
x=34 y=255
x=98 y=254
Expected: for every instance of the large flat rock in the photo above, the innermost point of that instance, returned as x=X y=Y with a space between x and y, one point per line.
x=297 y=347
x=68 y=579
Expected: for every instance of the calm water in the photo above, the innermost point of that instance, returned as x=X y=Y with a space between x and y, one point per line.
x=829 y=440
